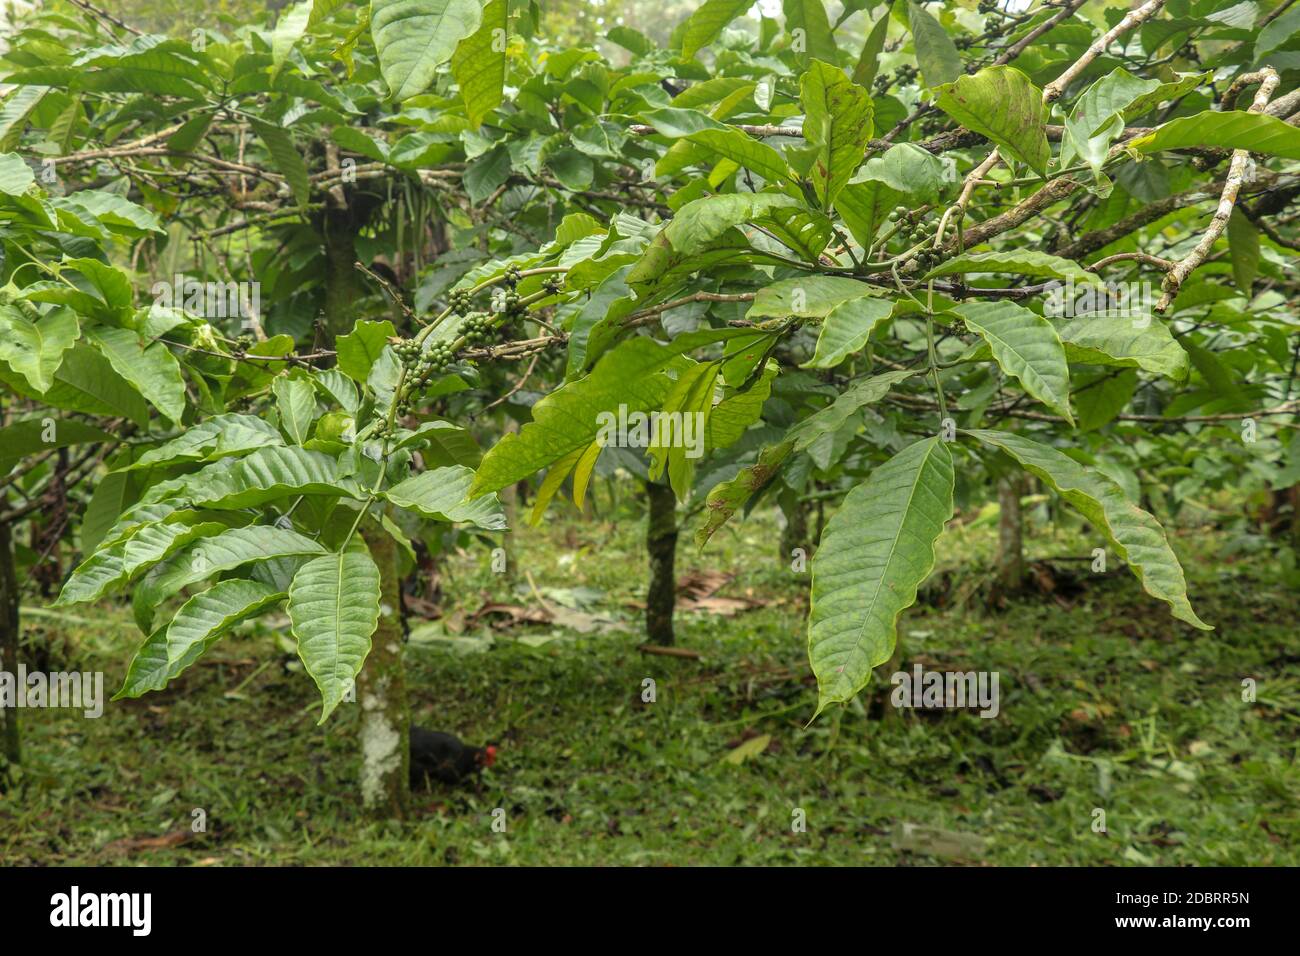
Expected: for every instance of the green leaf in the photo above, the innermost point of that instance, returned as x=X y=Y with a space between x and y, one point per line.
x=13 y=117
x=211 y=556
x=1026 y=347
x=85 y=382
x=1003 y=104
x=296 y=400
x=218 y=437
x=1135 y=534
x=846 y=328
x=479 y=63
x=415 y=37
x=153 y=543
x=34 y=435
x=874 y=554
x=15 y=175
x=568 y=420
x=701 y=221
x=358 y=350
x=1230 y=129
x=440 y=494
x=1097 y=118
x=726 y=141
x=116 y=212
x=810 y=297
x=152 y=369
x=936 y=54
x=168 y=652
x=837 y=125
x=1101 y=339
x=708 y=21
x=683 y=426
x=869 y=60
x=810 y=30
x=1276 y=33
x=35 y=349
x=265 y=475
x=443 y=443
x=1019 y=261
x=1243 y=244
x=739 y=409
x=333 y=609
x=724 y=499
x=1102 y=395
x=289 y=29
x=287 y=159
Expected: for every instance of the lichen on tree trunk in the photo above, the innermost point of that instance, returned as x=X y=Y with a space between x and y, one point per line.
x=9 y=640
x=381 y=692
x=661 y=543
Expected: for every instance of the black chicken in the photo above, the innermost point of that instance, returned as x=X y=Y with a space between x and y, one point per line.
x=445 y=758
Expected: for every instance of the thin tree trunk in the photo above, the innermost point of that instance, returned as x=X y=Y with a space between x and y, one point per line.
x=1011 y=555
x=661 y=543
x=381 y=692
x=9 y=640
x=795 y=533
x=342 y=286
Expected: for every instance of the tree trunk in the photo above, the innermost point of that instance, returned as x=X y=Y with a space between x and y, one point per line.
x=9 y=641
x=1011 y=555
x=381 y=692
x=661 y=542
x=342 y=285
x=795 y=533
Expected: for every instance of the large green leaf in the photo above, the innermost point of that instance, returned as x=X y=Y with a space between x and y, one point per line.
x=810 y=297
x=837 y=125
x=167 y=652
x=1025 y=262
x=209 y=440
x=415 y=37
x=725 y=141
x=1101 y=339
x=1027 y=347
x=813 y=37
x=152 y=369
x=846 y=328
x=156 y=542
x=874 y=554
x=1097 y=118
x=85 y=382
x=708 y=21
x=1135 y=534
x=479 y=63
x=701 y=221
x=1003 y=104
x=360 y=349
x=296 y=400
x=935 y=52
x=1231 y=129
x=869 y=60
x=35 y=349
x=288 y=31
x=267 y=474
x=35 y=435
x=333 y=609
x=210 y=556
x=440 y=494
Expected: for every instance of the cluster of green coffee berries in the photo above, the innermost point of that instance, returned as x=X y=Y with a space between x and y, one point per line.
x=479 y=330
x=512 y=276
x=461 y=301
x=244 y=343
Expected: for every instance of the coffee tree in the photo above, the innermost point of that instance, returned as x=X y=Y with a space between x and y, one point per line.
x=876 y=256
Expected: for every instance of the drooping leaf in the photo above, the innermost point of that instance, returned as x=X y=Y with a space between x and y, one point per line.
x=810 y=30
x=846 y=328
x=440 y=494
x=1135 y=534
x=288 y=161
x=876 y=551
x=1027 y=347
x=864 y=73
x=360 y=348
x=296 y=400
x=1144 y=343
x=152 y=369
x=333 y=609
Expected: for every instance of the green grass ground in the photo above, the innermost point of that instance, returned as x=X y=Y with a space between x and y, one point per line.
x=1106 y=702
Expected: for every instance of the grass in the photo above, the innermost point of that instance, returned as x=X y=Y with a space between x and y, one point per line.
x=1107 y=704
